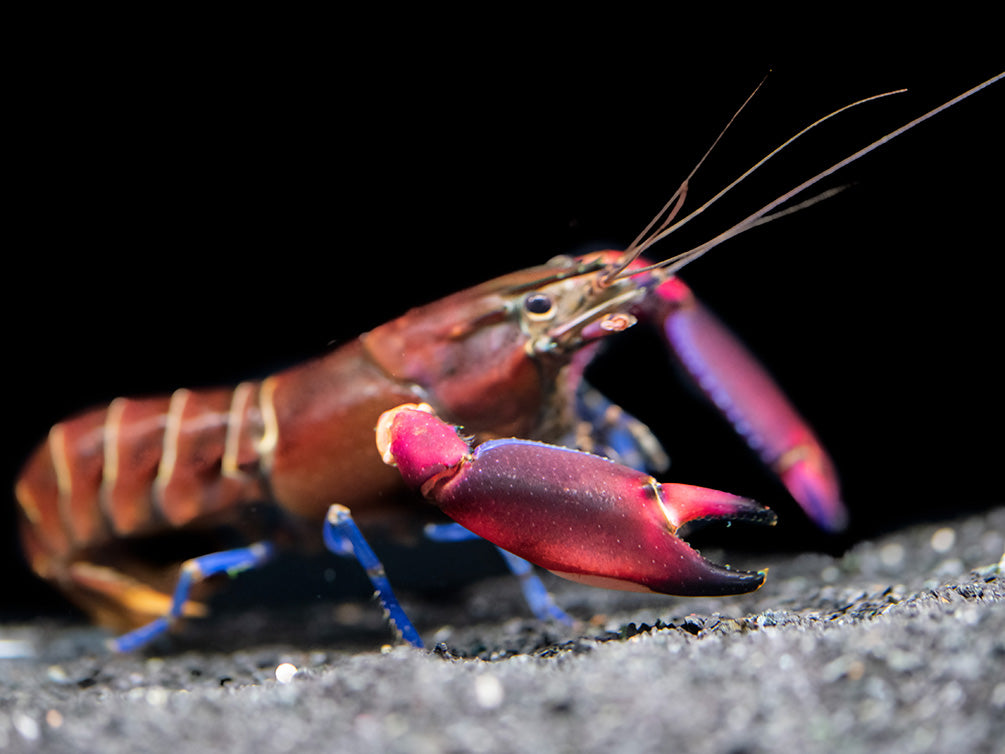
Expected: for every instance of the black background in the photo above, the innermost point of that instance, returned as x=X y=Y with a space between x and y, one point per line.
x=190 y=213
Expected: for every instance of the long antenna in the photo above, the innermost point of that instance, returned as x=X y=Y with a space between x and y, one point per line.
x=764 y=214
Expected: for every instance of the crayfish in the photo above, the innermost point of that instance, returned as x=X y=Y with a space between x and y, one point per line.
x=448 y=386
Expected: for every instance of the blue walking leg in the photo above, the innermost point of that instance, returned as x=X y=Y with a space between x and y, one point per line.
x=615 y=433
x=337 y=542
x=193 y=571
x=451 y=532
x=340 y=528
x=538 y=598
x=534 y=590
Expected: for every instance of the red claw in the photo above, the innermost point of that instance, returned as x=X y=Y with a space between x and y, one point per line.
x=581 y=516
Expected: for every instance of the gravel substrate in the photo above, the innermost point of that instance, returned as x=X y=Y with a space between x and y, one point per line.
x=898 y=645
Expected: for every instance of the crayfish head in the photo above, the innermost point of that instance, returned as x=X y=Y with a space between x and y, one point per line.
x=576 y=303
x=490 y=357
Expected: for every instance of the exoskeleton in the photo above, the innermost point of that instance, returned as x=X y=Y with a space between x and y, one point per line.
x=504 y=359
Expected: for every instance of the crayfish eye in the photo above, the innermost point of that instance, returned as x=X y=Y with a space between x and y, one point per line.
x=539 y=305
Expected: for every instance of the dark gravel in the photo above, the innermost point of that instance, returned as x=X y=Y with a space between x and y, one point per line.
x=897 y=645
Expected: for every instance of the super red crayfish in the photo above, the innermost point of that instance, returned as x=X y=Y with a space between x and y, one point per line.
x=501 y=360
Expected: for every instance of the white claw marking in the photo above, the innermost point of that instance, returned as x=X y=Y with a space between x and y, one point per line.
x=383 y=433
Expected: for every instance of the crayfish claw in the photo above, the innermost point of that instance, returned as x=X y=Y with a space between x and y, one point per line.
x=686 y=503
x=580 y=516
x=710 y=579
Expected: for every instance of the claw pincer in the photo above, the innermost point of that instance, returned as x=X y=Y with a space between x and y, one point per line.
x=580 y=516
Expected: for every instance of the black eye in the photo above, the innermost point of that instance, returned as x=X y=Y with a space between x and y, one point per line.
x=538 y=304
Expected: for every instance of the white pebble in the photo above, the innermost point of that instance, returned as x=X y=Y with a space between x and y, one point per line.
x=892 y=554
x=25 y=725
x=943 y=539
x=488 y=691
x=998 y=696
x=285 y=672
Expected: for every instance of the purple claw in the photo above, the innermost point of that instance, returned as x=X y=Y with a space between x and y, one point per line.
x=749 y=398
